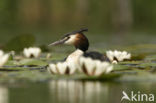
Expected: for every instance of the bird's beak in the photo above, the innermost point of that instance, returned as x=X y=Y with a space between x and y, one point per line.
x=62 y=41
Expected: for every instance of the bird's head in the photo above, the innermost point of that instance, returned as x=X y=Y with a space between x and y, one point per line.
x=76 y=38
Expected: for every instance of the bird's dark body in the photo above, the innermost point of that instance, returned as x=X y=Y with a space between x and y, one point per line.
x=96 y=56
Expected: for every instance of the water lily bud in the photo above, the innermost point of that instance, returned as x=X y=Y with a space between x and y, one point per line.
x=3 y=58
x=32 y=52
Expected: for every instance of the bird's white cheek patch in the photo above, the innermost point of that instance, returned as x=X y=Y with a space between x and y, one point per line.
x=71 y=40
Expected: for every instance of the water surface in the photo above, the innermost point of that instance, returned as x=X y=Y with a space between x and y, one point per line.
x=71 y=91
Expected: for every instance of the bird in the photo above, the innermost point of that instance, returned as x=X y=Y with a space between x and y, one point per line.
x=81 y=44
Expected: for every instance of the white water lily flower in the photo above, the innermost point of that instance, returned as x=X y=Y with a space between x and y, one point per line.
x=32 y=52
x=118 y=56
x=94 y=67
x=62 y=68
x=72 y=66
x=3 y=58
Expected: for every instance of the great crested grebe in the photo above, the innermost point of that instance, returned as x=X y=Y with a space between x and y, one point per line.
x=90 y=63
x=81 y=43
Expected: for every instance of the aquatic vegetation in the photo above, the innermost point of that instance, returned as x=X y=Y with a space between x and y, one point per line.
x=118 y=56
x=35 y=69
x=87 y=66
x=32 y=52
x=3 y=58
x=94 y=67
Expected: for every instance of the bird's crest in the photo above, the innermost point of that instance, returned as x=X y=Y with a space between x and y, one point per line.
x=77 y=31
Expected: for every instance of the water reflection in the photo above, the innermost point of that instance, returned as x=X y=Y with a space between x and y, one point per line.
x=69 y=91
x=3 y=94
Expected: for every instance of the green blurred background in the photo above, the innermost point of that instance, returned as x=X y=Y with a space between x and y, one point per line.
x=110 y=21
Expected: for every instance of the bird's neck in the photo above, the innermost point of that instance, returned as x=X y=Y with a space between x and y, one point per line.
x=83 y=46
x=75 y=55
x=81 y=42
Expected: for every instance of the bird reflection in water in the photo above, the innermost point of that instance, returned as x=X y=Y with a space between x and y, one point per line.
x=70 y=91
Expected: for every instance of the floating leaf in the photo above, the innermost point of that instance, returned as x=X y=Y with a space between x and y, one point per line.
x=118 y=67
x=138 y=57
x=36 y=62
x=151 y=58
x=103 y=77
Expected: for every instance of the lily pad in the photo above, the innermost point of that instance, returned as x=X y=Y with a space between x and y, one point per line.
x=82 y=76
x=37 y=62
x=119 y=67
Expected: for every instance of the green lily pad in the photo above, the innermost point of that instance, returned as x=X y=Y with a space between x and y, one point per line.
x=151 y=58
x=37 y=62
x=118 y=67
x=82 y=76
x=148 y=64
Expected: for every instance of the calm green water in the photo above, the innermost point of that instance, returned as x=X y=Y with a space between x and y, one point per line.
x=70 y=91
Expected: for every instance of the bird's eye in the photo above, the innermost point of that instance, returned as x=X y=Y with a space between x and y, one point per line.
x=67 y=38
